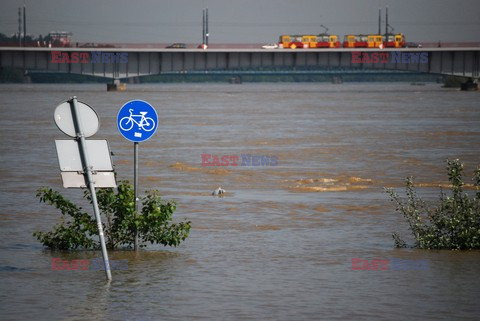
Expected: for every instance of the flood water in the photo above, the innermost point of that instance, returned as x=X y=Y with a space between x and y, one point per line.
x=279 y=245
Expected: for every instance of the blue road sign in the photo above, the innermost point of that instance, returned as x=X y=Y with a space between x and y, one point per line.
x=137 y=120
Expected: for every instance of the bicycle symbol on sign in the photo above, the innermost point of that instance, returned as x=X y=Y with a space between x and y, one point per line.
x=145 y=123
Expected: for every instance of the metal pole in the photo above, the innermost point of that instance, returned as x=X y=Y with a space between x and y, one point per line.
x=386 y=25
x=203 y=27
x=91 y=185
x=135 y=187
x=24 y=25
x=19 y=26
x=380 y=21
x=206 y=26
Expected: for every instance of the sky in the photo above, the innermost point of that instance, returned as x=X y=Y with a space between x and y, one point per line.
x=241 y=21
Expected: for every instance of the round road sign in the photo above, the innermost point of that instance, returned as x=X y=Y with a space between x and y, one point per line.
x=88 y=118
x=137 y=120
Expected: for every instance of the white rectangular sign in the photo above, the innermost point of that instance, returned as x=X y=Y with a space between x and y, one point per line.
x=77 y=180
x=69 y=155
x=71 y=164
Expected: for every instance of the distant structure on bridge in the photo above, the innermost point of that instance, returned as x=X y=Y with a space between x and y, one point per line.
x=60 y=38
x=205 y=33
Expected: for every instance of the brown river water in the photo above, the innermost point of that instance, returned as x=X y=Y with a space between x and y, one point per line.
x=279 y=244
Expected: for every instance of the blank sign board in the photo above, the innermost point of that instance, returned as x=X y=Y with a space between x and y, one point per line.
x=71 y=165
x=100 y=179
x=69 y=155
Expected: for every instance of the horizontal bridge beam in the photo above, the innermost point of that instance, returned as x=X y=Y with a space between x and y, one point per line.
x=141 y=62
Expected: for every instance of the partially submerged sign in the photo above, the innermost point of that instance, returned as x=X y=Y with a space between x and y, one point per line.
x=137 y=121
x=82 y=161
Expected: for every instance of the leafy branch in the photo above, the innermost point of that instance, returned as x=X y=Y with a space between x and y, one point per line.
x=453 y=224
x=78 y=229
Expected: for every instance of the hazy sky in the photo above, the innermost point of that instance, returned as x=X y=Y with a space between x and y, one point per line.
x=241 y=21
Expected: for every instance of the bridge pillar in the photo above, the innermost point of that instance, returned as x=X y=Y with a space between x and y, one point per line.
x=469 y=85
x=337 y=79
x=117 y=85
x=235 y=80
x=26 y=78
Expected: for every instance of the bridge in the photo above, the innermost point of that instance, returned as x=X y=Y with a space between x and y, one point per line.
x=137 y=62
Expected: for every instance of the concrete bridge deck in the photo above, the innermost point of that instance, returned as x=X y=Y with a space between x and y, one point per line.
x=455 y=61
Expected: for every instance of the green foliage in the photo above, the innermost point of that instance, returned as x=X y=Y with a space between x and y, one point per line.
x=453 y=224
x=69 y=234
x=79 y=229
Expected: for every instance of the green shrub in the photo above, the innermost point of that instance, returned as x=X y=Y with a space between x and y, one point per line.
x=78 y=229
x=453 y=224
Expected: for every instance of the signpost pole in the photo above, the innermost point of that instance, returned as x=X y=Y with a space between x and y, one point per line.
x=135 y=188
x=137 y=121
x=89 y=178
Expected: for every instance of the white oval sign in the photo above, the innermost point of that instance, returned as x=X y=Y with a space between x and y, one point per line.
x=87 y=116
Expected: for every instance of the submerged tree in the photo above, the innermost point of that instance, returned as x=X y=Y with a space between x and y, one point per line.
x=453 y=224
x=78 y=229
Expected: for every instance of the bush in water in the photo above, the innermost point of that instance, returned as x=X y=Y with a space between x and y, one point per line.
x=80 y=230
x=455 y=221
